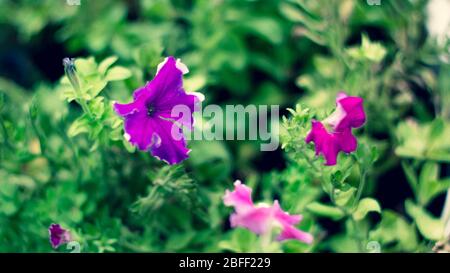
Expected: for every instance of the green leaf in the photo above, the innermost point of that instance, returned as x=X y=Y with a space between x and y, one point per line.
x=96 y=87
x=365 y=206
x=372 y=51
x=118 y=73
x=325 y=211
x=430 y=227
x=411 y=176
x=80 y=125
x=264 y=27
x=415 y=140
x=395 y=230
x=436 y=130
x=2 y=101
x=430 y=172
x=179 y=241
x=106 y=63
x=86 y=67
x=429 y=184
x=366 y=155
x=431 y=189
x=343 y=197
x=342 y=243
x=242 y=240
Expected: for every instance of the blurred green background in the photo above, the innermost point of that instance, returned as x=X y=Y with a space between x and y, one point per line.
x=263 y=52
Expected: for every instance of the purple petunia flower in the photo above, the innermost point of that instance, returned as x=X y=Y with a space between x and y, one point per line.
x=58 y=235
x=337 y=136
x=262 y=218
x=150 y=120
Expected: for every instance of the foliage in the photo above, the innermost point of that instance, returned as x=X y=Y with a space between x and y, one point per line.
x=63 y=157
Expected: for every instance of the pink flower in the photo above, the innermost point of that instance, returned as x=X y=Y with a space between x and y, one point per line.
x=336 y=135
x=262 y=218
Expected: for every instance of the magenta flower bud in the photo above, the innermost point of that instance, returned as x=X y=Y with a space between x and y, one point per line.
x=58 y=235
x=338 y=136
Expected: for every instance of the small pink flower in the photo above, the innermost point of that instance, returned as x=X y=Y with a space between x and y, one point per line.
x=336 y=135
x=261 y=218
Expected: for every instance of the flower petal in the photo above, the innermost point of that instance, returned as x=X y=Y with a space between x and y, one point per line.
x=172 y=148
x=283 y=217
x=261 y=219
x=126 y=109
x=290 y=232
x=240 y=198
x=346 y=140
x=139 y=130
x=58 y=235
x=167 y=84
x=325 y=143
x=180 y=109
x=256 y=219
x=354 y=112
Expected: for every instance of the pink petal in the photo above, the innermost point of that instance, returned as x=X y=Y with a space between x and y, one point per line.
x=240 y=198
x=257 y=219
x=354 y=113
x=290 y=232
x=325 y=143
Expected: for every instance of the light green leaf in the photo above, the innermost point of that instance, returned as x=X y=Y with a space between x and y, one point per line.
x=80 y=125
x=365 y=206
x=342 y=198
x=96 y=88
x=430 y=227
x=372 y=51
x=431 y=189
x=118 y=73
x=436 y=130
x=411 y=176
x=106 y=63
x=86 y=67
x=264 y=27
x=325 y=211
x=395 y=230
x=430 y=172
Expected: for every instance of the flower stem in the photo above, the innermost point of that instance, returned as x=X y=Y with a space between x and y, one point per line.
x=5 y=134
x=308 y=159
x=361 y=186
x=446 y=215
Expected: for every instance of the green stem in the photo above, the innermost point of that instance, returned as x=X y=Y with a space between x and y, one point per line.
x=265 y=240
x=309 y=160
x=362 y=183
x=359 y=240
x=85 y=108
x=5 y=134
x=40 y=137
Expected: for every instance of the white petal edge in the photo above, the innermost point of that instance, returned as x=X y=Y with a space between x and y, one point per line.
x=182 y=67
